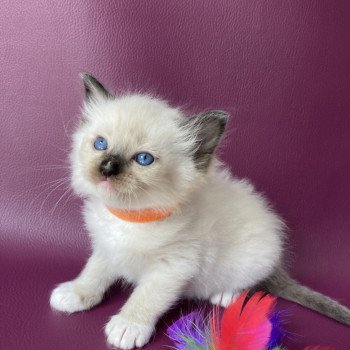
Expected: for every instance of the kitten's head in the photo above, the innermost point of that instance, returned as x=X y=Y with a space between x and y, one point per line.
x=136 y=151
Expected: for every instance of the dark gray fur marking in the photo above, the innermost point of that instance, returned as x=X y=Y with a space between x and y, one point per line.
x=282 y=285
x=93 y=88
x=208 y=128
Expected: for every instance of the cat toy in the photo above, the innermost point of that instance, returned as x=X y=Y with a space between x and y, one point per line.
x=246 y=324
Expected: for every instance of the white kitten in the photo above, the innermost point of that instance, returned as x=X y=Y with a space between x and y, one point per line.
x=207 y=235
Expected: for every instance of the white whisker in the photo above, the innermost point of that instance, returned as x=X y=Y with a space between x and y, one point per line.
x=59 y=200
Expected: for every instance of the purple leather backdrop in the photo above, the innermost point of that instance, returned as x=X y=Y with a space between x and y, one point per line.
x=281 y=67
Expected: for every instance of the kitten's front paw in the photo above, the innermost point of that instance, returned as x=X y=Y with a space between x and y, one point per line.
x=65 y=298
x=125 y=334
x=223 y=299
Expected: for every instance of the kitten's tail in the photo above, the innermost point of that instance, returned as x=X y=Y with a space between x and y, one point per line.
x=282 y=285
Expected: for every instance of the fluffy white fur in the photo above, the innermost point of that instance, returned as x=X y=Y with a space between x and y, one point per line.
x=221 y=239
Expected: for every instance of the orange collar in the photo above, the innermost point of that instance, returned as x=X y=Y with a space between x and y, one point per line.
x=142 y=215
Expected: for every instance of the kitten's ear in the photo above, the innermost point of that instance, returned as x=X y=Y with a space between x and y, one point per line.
x=94 y=90
x=208 y=128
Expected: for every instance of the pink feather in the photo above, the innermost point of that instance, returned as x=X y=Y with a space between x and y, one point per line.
x=243 y=327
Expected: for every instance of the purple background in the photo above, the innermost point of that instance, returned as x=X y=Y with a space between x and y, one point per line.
x=282 y=68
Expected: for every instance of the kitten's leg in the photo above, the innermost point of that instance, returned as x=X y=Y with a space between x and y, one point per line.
x=224 y=299
x=156 y=292
x=87 y=289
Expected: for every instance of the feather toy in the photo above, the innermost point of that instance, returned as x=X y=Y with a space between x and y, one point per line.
x=244 y=327
x=189 y=332
x=277 y=331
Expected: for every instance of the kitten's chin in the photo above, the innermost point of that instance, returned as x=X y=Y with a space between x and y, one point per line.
x=106 y=192
x=105 y=186
x=119 y=197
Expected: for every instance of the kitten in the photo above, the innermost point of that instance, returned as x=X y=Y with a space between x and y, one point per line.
x=166 y=216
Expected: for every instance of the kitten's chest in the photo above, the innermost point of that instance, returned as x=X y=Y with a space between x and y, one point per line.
x=129 y=260
x=130 y=248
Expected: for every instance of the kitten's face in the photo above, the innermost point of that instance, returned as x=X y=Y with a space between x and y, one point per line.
x=134 y=151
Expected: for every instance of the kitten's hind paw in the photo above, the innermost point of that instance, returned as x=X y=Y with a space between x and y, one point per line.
x=125 y=334
x=223 y=299
x=66 y=298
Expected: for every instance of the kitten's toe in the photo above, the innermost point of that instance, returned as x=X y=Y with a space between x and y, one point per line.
x=66 y=298
x=125 y=334
x=223 y=299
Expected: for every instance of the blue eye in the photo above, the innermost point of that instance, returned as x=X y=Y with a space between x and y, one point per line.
x=100 y=144
x=144 y=158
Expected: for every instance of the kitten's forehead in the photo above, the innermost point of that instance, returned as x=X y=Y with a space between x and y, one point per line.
x=136 y=121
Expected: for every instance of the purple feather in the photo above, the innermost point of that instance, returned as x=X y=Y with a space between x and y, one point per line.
x=277 y=331
x=189 y=331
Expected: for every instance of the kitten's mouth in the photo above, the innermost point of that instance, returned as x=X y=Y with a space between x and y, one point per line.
x=105 y=184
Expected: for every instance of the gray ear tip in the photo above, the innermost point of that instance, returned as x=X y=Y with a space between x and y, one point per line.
x=221 y=116
x=215 y=116
x=93 y=88
x=217 y=113
x=221 y=113
x=86 y=76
